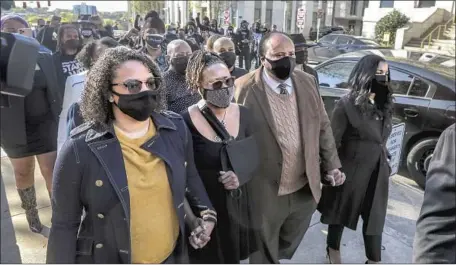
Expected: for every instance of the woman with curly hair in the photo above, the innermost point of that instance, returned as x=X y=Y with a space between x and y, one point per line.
x=361 y=123
x=75 y=84
x=128 y=168
x=233 y=238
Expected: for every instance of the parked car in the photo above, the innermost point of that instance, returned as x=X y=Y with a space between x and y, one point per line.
x=333 y=45
x=424 y=92
x=325 y=31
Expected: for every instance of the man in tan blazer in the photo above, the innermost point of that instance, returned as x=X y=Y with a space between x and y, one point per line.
x=295 y=140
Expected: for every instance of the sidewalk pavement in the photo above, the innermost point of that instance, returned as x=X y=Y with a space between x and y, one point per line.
x=18 y=244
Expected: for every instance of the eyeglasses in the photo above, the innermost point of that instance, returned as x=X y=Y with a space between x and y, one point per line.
x=229 y=82
x=134 y=86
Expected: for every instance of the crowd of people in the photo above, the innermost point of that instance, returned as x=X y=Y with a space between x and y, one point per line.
x=157 y=148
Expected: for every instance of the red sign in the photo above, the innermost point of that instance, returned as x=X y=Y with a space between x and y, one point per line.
x=300 y=17
x=320 y=13
x=227 y=16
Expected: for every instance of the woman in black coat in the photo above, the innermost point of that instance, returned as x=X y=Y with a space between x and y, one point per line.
x=121 y=179
x=361 y=123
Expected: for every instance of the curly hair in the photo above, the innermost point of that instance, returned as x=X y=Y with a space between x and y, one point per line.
x=62 y=31
x=197 y=62
x=95 y=105
x=85 y=56
x=360 y=82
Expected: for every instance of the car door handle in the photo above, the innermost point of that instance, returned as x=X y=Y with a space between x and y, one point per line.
x=411 y=112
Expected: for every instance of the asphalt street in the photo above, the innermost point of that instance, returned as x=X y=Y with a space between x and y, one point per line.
x=19 y=245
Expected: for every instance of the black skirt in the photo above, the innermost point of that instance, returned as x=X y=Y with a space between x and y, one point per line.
x=41 y=139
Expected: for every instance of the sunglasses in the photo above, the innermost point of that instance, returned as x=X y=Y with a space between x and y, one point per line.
x=229 y=82
x=134 y=86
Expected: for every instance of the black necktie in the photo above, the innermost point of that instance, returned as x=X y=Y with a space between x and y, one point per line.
x=283 y=89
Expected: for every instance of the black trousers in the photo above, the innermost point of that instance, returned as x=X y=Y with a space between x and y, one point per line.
x=372 y=243
x=244 y=56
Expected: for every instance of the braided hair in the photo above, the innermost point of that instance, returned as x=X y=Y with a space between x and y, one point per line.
x=197 y=62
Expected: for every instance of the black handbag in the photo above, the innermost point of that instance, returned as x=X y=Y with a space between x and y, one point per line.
x=243 y=165
x=241 y=157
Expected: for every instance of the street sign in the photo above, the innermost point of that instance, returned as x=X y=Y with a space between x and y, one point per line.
x=386 y=37
x=227 y=17
x=301 y=17
x=320 y=13
x=394 y=146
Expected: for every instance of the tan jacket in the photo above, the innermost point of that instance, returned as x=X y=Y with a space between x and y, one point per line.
x=317 y=136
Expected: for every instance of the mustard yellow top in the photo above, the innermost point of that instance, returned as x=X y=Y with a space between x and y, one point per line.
x=154 y=225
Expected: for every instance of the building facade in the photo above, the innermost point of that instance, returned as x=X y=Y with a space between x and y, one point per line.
x=278 y=12
x=417 y=11
x=84 y=9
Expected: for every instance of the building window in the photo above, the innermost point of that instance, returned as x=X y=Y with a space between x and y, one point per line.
x=353 y=7
x=257 y=15
x=269 y=16
x=424 y=3
x=386 y=3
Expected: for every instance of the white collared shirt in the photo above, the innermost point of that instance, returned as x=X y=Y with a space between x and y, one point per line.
x=274 y=84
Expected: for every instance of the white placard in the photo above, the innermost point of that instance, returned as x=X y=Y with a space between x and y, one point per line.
x=394 y=146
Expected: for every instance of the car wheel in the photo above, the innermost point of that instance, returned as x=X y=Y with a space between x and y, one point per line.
x=418 y=159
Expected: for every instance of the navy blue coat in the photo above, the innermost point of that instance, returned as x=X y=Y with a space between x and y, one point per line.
x=90 y=174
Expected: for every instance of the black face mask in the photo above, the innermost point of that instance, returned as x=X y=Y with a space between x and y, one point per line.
x=86 y=32
x=300 y=57
x=205 y=23
x=154 y=40
x=283 y=67
x=180 y=64
x=138 y=106
x=72 y=44
x=380 y=88
x=229 y=58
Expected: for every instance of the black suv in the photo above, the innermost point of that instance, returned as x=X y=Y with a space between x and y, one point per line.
x=424 y=92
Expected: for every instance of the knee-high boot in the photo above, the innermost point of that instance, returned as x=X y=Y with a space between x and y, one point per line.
x=28 y=199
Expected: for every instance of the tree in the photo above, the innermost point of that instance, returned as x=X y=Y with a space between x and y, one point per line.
x=142 y=7
x=390 y=24
x=7 y=5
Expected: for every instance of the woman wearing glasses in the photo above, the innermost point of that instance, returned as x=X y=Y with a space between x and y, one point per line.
x=209 y=120
x=128 y=167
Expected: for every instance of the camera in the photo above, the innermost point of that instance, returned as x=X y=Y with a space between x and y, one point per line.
x=18 y=57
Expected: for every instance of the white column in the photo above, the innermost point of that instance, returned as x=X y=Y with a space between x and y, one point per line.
x=293 y=16
x=278 y=14
x=247 y=11
x=184 y=12
x=263 y=11
x=329 y=12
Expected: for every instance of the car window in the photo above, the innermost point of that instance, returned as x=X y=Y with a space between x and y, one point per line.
x=419 y=88
x=344 y=40
x=335 y=74
x=400 y=81
x=327 y=39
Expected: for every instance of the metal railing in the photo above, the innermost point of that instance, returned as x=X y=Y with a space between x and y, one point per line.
x=439 y=30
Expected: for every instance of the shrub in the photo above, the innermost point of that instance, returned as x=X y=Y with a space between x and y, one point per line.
x=389 y=24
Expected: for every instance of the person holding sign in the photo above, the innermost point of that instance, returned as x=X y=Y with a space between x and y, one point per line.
x=361 y=123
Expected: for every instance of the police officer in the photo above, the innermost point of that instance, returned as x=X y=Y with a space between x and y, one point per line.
x=242 y=43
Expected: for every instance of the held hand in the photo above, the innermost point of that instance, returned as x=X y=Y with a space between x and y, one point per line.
x=229 y=180
x=200 y=236
x=336 y=177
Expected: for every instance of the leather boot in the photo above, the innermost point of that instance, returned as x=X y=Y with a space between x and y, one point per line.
x=28 y=199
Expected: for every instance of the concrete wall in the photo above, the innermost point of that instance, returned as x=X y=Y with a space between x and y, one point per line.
x=374 y=13
x=418 y=28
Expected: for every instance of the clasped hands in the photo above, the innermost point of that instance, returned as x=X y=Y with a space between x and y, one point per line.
x=335 y=177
